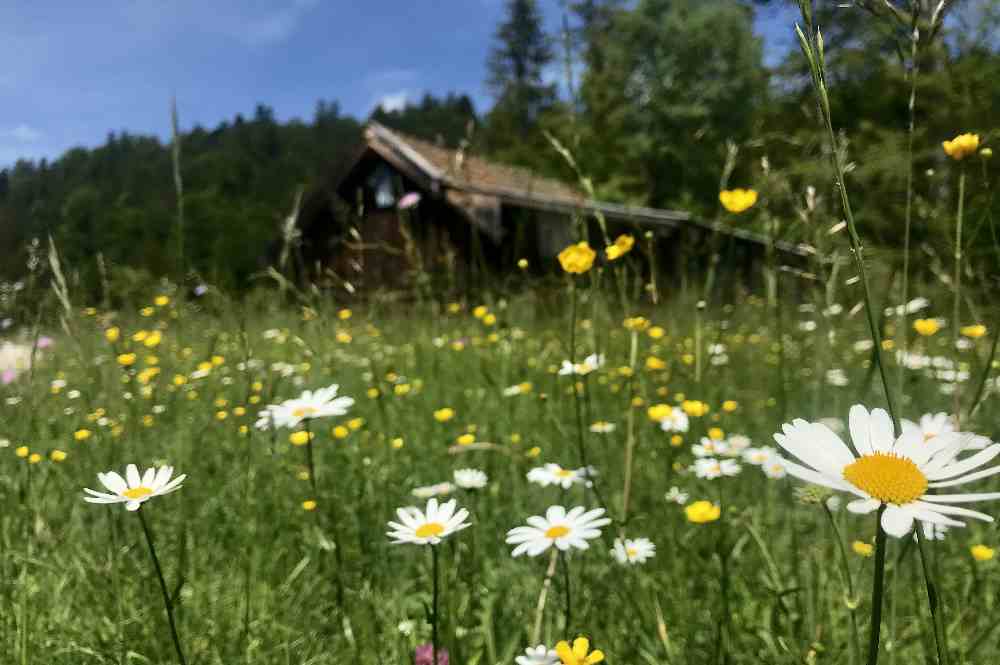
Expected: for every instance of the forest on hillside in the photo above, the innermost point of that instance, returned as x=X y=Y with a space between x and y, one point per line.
x=665 y=100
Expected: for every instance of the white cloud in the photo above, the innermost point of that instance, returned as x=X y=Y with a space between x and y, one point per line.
x=22 y=134
x=394 y=101
x=274 y=27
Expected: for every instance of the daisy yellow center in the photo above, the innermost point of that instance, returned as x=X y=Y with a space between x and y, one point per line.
x=887 y=477
x=631 y=552
x=137 y=493
x=430 y=530
x=304 y=411
x=564 y=473
x=556 y=532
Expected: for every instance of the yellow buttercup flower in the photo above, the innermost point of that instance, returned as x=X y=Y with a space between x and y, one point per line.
x=982 y=552
x=340 y=432
x=579 y=653
x=444 y=415
x=466 y=439
x=489 y=319
x=656 y=332
x=927 y=327
x=974 y=331
x=738 y=200
x=653 y=363
x=961 y=146
x=694 y=407
x=300 y=438
x=21 y=451
x=636 y=323
x=716 y=434
x=57 y=456
x=126 y=359
x=522 y=264
x=623 y=245
x=112 y=334
x=577 y=259
x=730 y=405
x=34 y=458
x=862 y=549
x=82 y=434
x=344 y=314
x=161 y=301
x=480 y=311
x=309 y=505
x=659 y=412
x=701 y=512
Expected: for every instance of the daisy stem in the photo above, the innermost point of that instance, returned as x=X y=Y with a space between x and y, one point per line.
x=536 y=632
x=163 y=586
x=933 y=600
x=434 y=609
x=630 y=436
x=566 y=591
x=852 y=603
x=878 y=588
x=591 y=485
x=309 y=458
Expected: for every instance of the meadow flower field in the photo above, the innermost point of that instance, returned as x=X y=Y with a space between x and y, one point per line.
x=600 y=461
x=697 y=545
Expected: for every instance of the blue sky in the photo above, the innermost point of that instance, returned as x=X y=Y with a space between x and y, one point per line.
x=69 y=74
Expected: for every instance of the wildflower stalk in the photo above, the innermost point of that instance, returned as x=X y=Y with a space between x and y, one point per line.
x=957 y=285
x=878 y=589
x=933 y=601
x=630 y=434
x=812 y=48
x=849 y=581
x=817 y=64
x=902 y=331
x=536 y=631
x=581 y=444
x=568 y=611
x=169 y=605
x=434 y=610
x=310 y=463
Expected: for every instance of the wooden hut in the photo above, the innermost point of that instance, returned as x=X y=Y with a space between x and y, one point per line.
x=401 y=200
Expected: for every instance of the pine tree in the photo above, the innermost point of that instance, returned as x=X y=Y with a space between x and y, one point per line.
x=517 y=66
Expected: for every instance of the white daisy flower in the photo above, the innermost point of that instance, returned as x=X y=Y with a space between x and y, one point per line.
x=558 y=527
x=677 y=421
x=710 y=448
x=774 y=468
x=133 y=490
x=589 y=364
x=932 y=425
x=427 y=491
x=427 y=527
x=675 y=495
x=738 y=443
x=759 y=456
x=538 y=655
x=321 y=403
x=634 y=551
x=553 y=474
x=602 y=427
x=710 y=468
x=889 y=471
x=470 y=479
